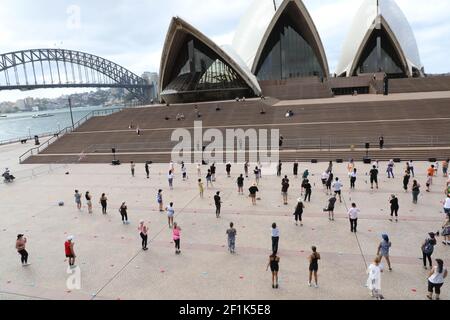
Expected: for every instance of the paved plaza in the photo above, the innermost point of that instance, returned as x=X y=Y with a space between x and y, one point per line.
x=113 y=266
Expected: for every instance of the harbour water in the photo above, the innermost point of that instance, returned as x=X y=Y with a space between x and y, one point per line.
x=21 y=125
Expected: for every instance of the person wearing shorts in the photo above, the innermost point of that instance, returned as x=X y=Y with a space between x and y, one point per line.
x=337 y=187
x=70 y=252
x=313 y=267
x=299 y=212
x=170 y=214
x=436 y=279
x=78 y=199
x=274 y=264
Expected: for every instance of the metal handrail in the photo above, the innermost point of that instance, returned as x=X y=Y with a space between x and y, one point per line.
x=56 y=136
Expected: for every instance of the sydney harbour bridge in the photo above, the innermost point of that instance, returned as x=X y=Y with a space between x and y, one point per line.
x=59 y=68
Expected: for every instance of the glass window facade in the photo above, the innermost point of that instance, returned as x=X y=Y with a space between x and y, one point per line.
x=287 y=54
x=384 y=60
x=199 y=68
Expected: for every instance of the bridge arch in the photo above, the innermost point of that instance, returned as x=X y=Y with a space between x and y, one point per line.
x=72 y=62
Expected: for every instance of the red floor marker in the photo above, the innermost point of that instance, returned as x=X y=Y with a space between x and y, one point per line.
x=68 y=291
x=162 y=271
x=112 y=266
x=241 y=277
x=8 y=281
x=414 y=290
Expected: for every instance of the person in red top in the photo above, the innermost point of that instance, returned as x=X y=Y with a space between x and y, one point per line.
x=70 y=253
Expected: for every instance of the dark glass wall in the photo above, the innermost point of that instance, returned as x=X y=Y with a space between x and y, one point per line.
x=384 y=60
x=199 y=68
x=287 y=54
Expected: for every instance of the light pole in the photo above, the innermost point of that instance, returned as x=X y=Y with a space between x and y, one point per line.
x=59 y=128
x=71 y=114
x=29 y=132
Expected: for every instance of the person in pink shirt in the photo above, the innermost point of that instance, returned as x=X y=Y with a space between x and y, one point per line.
x=143 y=231
x=176 y=234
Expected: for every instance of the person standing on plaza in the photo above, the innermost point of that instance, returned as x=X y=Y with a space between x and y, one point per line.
x=213 y=172
x=415 y=191
x=447 y=205
x=381 y=142
x=330 y=167
x=209 y=179
x=88 y=201
x=313 y=267
x=350 y=166
x=143 y=232
x=353 y=214
x=324 y=179
x=132 y=166
x=240 y=184
x=436 y=168
x=429 y=182
x=170 y=179
x=430 y=174
x=384 y=248
x=228 y=169
x=394 y=208
x=406 y=179
x=170 y=214
x=70 y=251
x=176 y=236
x=436 y=279
x=274 y=264
x=184 y=171
x=295 y=169
x=275 y=238
x=199 y=170
x=390 y=169
x=374 y=177
x=159 y=199
x=201 y=188
x=78 y=199
x=298 y=213
x=446 y=231
x=445 y=164
x=353 y=176
x=172 y=167
x=123 y=212
x=305 y=174
x=329 y=182
x=246 y=165
x=279 y=168
x=253 y=190
x=330 y=207
x=428 y=249
x=20 y=247
x=218 y=203
x=104 y=203
x=147 y=170
x=374 y=280
x=411 y=168
x=308 y=190
x=257 y=175
x=337 y=188
x=284 y=190
x=231 y=233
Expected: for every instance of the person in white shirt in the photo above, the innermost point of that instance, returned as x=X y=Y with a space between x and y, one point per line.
x=275 y=238
x=436 y=279
x=199 y=170
x=447 y=205
x=337 y=188
x=324 y=178
x=374 y=280
x=353 y=216
x=170 y=179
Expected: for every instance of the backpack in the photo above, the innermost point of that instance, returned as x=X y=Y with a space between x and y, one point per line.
x=428 y=248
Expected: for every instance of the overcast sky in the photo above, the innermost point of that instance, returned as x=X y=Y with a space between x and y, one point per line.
x=132 y=32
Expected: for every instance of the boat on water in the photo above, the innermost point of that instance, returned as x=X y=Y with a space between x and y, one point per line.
x=44 y=115
x=1 y=116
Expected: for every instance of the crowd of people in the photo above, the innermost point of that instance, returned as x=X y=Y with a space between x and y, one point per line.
x=331 y=186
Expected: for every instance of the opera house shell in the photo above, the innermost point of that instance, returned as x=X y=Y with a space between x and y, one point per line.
x=380 y=40
x=278 y=41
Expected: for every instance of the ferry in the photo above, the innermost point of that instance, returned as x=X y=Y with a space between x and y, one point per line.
x=44 y=115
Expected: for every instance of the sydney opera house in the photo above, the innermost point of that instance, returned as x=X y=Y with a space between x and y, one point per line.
x=277 y=43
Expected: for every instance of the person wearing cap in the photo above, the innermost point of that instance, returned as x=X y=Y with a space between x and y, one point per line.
x=383 y=249
x=20 y=247
x=299 y=212
x=253 y=190
x=143 y=232
x=70 y=252
x=428 y=249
